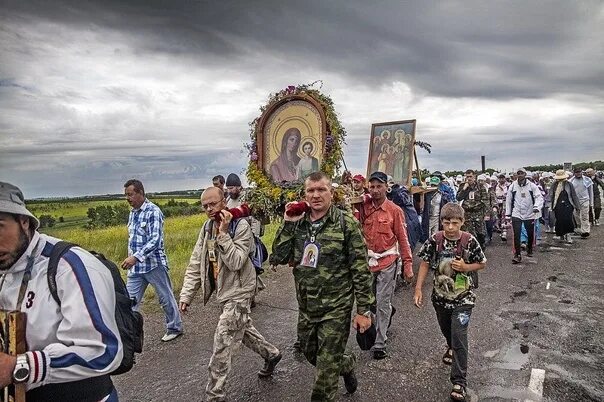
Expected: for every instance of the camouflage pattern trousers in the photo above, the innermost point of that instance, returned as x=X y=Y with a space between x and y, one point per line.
x=474 y=224
x=234 y=325
x=324 y=345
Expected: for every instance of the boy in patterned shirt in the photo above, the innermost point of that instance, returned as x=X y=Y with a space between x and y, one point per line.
x=454 y=256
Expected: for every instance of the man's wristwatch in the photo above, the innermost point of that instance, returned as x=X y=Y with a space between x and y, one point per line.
x=21 y=372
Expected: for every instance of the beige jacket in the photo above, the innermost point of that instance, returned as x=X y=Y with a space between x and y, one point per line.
x=236 y=276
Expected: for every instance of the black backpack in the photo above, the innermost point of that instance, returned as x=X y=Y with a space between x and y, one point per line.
x=129 y=322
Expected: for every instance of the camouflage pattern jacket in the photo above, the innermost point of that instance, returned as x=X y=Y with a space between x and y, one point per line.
x=476 y=201
x=342 y=274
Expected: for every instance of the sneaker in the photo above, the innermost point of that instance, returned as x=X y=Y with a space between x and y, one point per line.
x=379 y=354
x=517 y=259
x=350 y=381
x=170 y=336
x=568 y=238
x=269 y=366
x=597 y=222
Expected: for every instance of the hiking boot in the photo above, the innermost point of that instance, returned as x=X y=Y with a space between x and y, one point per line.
x=379 y=354
x=170 y=336
x=269 y=366
x=517 y=259
x=350 y=381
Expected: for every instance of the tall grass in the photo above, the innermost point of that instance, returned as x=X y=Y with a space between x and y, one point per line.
x=180 y=235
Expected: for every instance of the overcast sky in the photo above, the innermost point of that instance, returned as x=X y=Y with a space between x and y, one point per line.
x=93 y=93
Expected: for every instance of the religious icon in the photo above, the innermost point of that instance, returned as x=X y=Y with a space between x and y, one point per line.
x=292 y=139
x=391 y=150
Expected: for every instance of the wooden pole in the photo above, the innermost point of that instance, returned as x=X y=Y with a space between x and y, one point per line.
x=419 y=173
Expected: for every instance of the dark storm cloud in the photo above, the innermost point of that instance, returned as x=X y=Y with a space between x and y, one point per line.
x=95 y=92
x=454 y=49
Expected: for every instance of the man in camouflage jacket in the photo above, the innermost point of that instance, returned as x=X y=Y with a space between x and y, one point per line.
x=476 y=204
x=326 y=286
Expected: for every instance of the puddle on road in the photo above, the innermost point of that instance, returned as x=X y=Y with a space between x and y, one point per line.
x=509 y=394
x=513 y=358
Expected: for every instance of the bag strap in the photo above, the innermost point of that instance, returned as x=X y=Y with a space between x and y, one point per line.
x=58 y=251
x=439 y=236
x=463 y=242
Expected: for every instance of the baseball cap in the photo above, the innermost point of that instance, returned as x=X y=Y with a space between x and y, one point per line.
x=13 y=202
x=359 y=177
x=381 y=176
x=438 y=174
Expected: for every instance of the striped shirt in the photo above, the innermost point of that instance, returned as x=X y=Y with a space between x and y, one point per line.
x=146 y=238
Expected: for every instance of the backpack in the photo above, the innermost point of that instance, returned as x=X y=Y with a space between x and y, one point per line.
x=129 y=322
x=260 y=253
x=462 y=244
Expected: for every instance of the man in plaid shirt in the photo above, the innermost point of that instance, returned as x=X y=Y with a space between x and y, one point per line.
x=146 y=261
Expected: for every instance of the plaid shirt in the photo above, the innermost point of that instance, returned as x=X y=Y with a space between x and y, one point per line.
x=146 y=238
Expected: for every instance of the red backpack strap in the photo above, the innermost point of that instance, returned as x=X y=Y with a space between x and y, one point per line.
x=463 y=242
x=440 y=241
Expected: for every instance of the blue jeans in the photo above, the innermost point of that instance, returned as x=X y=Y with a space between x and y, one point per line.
x=159 y=279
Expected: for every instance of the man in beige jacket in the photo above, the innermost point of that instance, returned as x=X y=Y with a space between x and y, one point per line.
x=221 y=262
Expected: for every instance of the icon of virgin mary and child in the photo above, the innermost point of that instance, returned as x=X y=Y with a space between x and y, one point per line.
x=289 y=166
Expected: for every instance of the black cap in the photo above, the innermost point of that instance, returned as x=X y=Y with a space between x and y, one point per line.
x=438 y=174
x=366 y=340
x=381 y=176
x=233 y=180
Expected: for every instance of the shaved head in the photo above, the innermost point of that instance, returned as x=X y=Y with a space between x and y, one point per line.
x=212 y=201
x=210 y=191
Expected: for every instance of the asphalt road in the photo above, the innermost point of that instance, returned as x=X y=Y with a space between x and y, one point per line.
x=546 y=313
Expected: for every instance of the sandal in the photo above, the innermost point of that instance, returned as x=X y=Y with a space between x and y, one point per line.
x=458 y=393
x=448 y=357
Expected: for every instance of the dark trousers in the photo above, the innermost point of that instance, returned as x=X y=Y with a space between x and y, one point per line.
x=529 y=225
x=454 y=324
x=596 y=212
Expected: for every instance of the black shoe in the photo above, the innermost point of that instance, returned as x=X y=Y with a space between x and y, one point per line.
x=529 y=254
x=350 y=382
x=391 y=315
x=269 y=366
x=584 y=235
x=517 y=259
x=379 y=354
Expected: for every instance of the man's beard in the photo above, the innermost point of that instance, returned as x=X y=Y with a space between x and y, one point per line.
x=21 y=248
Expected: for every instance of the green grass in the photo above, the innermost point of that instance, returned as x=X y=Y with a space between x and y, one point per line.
x=74 y=212
x=180 y=235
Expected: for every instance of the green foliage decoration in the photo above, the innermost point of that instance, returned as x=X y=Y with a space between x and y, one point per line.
x=267 y=198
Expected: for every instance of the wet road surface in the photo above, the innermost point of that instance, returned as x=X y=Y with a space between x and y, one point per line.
x=544 y=314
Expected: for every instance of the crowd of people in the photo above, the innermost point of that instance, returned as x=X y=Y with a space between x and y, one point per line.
x=345 y=262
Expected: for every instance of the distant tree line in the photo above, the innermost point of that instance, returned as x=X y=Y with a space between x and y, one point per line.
x=597 y=165
x=108 y=215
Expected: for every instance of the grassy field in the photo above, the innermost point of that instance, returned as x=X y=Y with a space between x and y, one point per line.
x=180 y=235
x=74 y=211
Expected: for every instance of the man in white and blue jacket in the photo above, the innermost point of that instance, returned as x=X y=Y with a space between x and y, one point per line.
x=523 y=204
x=73 y=347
